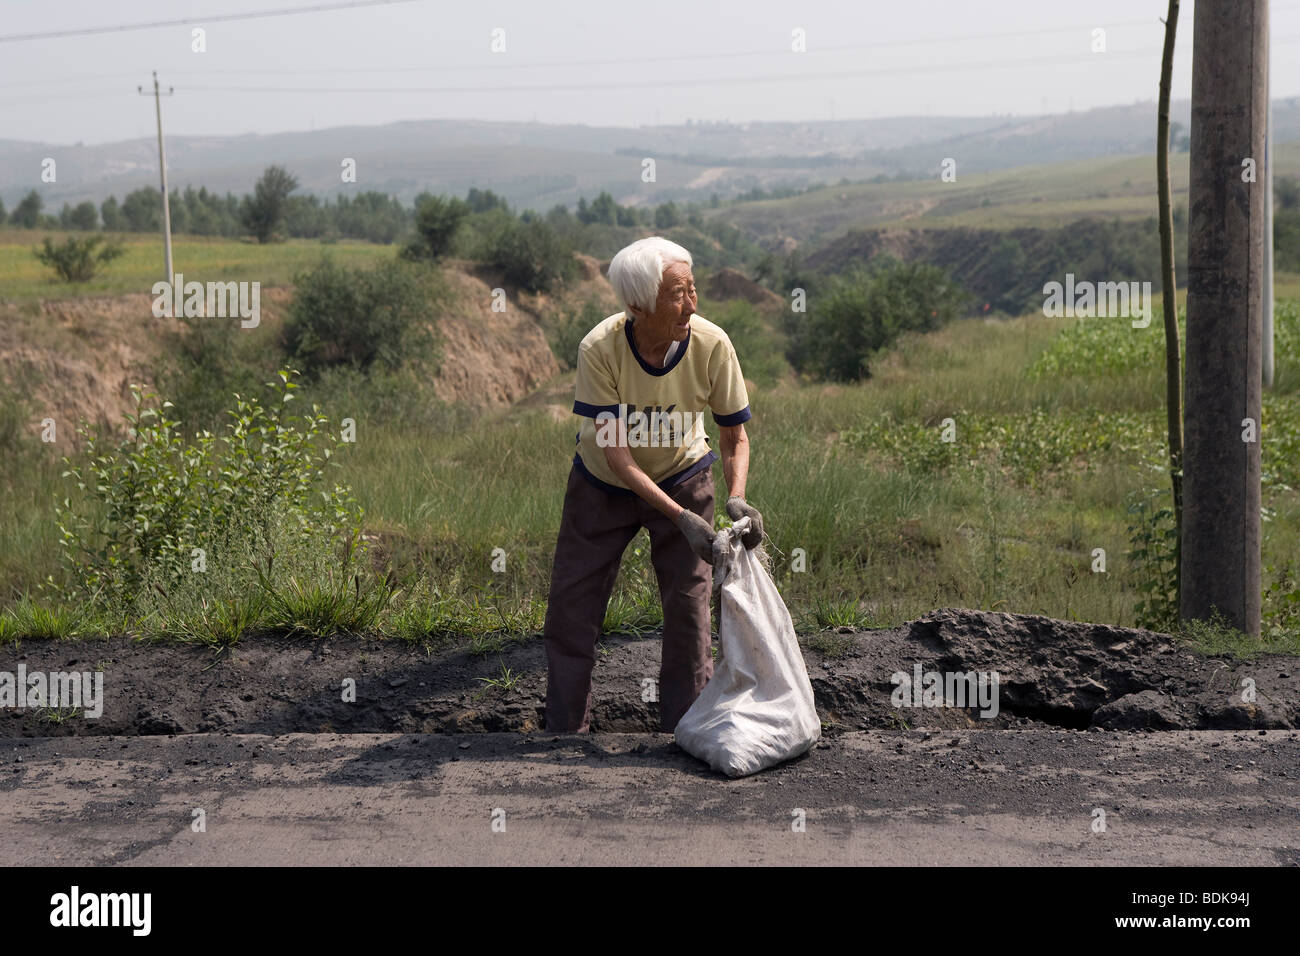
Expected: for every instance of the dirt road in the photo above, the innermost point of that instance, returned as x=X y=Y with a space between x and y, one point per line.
x=868 y=797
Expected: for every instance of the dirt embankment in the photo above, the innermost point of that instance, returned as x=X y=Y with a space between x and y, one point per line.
x=727 y=284
x=75 y=360
x=1050 y=674
x=495 y=358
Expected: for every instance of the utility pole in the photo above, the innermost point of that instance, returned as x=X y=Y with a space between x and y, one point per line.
x=1268 y=227
x=1220 y=541
x=1168 y=280
x=162 y=166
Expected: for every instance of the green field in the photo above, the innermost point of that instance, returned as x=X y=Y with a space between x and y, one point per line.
x=891 y=522
x=1047 y=197
x=197 y=258
x=873 y=520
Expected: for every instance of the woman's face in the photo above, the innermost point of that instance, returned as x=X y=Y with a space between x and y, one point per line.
x=676 y=305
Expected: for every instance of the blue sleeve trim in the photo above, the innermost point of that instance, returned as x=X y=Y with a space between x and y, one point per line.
x=736 y=418
x=591 y=411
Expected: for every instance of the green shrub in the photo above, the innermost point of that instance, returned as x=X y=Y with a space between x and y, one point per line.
x=529 y=254
x=1033 y=447
x=1153 y=561
x=437 y=220
x=759 y=345
x=866 y=310
x=76 y=260
x=357 y=317
x=143 y=505
x=565 y=336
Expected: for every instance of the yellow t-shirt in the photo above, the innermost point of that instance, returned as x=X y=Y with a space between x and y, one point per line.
x=663 y=407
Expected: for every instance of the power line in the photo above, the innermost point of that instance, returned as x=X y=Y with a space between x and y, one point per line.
x=697 y=81
x=219 y=18
x=674 y=58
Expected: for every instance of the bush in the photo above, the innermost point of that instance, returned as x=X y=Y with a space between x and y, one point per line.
x=866 y=310
x=759 y=346
x=358 y=317
x=144 y=505
x=1153 y=560
x=76 y=260
x=530 y=254
x=565 y=337
x=436 y=221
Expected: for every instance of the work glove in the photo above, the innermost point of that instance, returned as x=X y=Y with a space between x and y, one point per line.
x=737 y=508
x=698 y=533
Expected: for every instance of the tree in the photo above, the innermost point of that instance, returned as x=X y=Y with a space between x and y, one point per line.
x=263 y=212
x=28 y=212
x=2 y=212
x=482 y=200
x=111 y=213
x=84 y=217
x=76 y=260
x=437 y=218
x=142 y=210
x=602 y=210
x=667 y=216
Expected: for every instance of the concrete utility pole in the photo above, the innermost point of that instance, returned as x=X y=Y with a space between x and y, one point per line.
x=1267 y=345
x=162 y=166
x=1225 y=256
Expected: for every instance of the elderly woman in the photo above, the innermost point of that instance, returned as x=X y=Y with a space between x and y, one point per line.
x=643 y=459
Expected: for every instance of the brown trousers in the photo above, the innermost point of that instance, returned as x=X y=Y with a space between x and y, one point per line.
x=595 y=529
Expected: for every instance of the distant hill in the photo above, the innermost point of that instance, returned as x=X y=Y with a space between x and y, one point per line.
x=537 y=165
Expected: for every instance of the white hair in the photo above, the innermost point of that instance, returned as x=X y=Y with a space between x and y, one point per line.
x=637 y=270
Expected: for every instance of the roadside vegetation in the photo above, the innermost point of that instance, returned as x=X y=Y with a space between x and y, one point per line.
x=911 y=450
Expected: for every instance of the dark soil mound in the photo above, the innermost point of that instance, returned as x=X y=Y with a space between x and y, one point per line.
x=1049 y=672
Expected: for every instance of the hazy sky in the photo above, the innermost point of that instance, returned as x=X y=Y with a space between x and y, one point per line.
x=574 y=61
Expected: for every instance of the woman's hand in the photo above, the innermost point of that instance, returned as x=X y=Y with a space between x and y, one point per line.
x=698 y=533
x=737 y=508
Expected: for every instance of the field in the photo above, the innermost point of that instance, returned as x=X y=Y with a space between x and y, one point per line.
x=25 y=279
x=1122 y=187
x=873 y=521
x=1054 y=476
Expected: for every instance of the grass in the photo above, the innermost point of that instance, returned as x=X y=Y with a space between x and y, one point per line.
x=872 y=522
x=197 y=258
x=1045 y=196
x=506 y=681
x=1217 y=637
x=881 y=538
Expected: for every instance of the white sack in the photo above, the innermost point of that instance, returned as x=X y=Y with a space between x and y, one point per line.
x=757 y=710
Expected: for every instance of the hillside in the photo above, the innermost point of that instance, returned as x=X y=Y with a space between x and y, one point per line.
x=75 y=358
x=1049 y=196
x=538 y=165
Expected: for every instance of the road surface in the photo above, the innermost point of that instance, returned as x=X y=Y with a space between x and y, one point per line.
x=871 y=797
